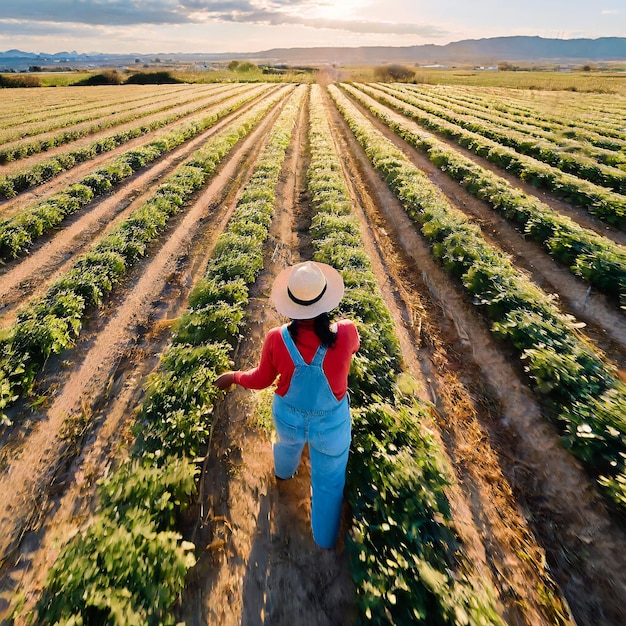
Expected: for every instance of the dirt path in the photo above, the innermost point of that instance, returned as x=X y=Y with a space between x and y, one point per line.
x=39 y=457
x=259 y=553
x=259 y=564
x=30 y=276
x=584 y=545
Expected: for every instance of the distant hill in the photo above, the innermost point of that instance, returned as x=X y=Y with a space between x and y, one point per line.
x=493 y=50
x=479 y=51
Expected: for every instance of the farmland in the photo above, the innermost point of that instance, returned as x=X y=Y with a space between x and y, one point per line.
x=480 y=231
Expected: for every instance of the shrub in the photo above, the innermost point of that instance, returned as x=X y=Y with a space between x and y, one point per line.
x=108 y=77
x=152 y=78
x=114 y=574
x=246 y=67
x=394 y=73
x=19 y=81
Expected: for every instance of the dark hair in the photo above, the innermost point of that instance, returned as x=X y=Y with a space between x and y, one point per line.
x=321 y=326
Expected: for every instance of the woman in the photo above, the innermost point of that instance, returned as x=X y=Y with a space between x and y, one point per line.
x=311 y=359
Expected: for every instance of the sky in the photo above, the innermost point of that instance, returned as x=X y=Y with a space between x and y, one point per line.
x=162 y=26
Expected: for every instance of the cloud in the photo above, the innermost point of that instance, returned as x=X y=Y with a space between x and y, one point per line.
x=365 y=26
x=96 y=12
x=18 y=28
x=260 y=12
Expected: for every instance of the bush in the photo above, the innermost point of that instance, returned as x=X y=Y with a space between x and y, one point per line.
x=152 y=78
x=19 y=81
x=109 y=77
x=246 y=67
x=394 y=72
x=114 y=574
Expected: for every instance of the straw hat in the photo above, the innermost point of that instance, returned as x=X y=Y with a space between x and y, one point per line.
x=305 y=290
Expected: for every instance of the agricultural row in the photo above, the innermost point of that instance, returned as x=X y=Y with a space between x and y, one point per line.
x=52 y=324
x=572 y=129
x=588 y=399
x=588 y=255
x=600 y=201
x=172 y=427
x=389 y=545
x=40 y=172
x=407 y=560
x=18 y=232
x=574 y=113
x=84 y=121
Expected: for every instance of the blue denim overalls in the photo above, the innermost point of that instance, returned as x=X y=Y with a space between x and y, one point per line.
x=310 y=411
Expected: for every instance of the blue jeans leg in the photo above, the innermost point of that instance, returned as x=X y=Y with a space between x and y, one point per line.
x=328 y=476
x=287 y=449
x=286 y=458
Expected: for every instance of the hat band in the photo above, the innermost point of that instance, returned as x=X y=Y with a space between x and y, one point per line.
x=307 y=302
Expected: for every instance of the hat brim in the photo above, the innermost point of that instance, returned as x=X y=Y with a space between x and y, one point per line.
x=331 y=298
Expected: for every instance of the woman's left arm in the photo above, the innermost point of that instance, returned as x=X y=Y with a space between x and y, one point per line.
x=266 y=371
x=260 y=377
x=225 y=380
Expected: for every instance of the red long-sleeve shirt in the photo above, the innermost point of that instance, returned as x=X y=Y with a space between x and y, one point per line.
x=276 y=361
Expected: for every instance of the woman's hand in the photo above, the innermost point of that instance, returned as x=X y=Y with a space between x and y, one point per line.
x=225 y=380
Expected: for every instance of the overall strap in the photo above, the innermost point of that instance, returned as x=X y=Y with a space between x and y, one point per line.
x=296 y=357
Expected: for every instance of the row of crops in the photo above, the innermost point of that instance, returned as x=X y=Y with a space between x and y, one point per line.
x=588 y=255
x=587 y=398
x=598 y=200
x=550 y=138
x=407 y=561
x=52 y=323
x=86 y=120
x=594 y=124
x=130 y=554
x=22 y=108
x=32 y=176
x=18 y=232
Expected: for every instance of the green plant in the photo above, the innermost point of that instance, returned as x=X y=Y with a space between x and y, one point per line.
x=128 y=566
x=567 y=369
x=406 y=560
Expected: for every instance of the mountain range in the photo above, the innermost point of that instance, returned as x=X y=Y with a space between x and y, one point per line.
x=486 y=51
x=476 y=51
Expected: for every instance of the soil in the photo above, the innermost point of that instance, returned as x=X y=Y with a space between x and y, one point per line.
x=531 y=521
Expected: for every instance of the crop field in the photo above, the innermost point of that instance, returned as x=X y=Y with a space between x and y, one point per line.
x=481 y=235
